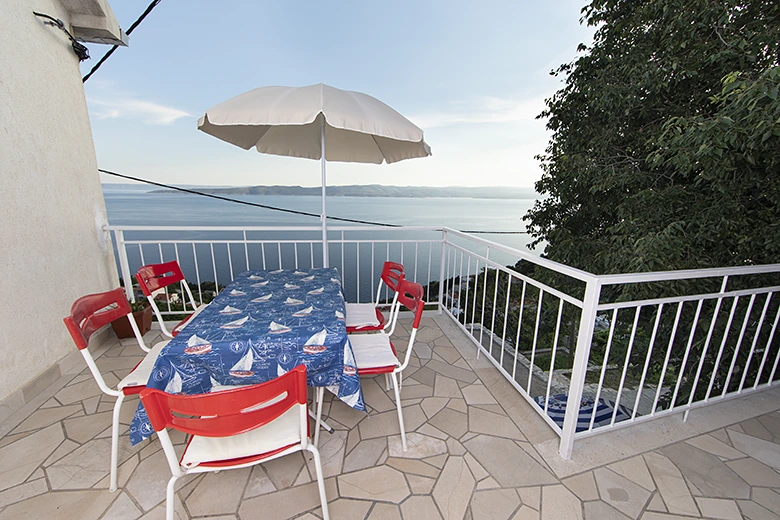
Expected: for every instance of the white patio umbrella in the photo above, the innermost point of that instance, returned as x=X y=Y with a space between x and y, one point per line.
x=303 y=121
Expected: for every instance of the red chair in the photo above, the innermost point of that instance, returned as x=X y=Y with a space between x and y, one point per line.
x=367 y=317
x=87 y=315
x=234 y=428
x=375 y=353
x=154 y=278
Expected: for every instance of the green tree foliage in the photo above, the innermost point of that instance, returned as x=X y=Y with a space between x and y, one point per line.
x=666 y=139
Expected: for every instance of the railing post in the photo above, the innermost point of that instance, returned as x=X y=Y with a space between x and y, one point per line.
x=581 y=354
x=124 y=265
x=441 y=270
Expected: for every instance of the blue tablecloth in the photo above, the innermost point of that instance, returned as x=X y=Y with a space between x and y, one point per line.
x=259 y=327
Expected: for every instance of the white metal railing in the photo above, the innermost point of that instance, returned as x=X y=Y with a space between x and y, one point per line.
x=637 y=346
x=517 y=320
x=700 y=347
x=666 y=342
x=217 y=254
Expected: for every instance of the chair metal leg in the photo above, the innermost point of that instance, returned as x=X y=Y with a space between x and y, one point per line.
x=400 y=413
x=387 y=382
x=320 y=481
x=170 y=503
x=319 y=396
x=115 y=442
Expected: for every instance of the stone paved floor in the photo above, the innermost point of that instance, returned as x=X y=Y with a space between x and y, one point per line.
x=472 y=455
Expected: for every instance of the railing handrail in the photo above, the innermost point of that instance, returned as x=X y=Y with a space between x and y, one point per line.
x=367 y=227
x=317 y=240
x=573 y=272
x=687 y=298
x=686 y=274
x=520 y=276
x=608 y=279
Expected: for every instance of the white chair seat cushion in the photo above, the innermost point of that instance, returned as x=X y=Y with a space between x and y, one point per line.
x=361 y=315
x=283 y=431
x=373 y=350
x=140 y=374
x=220 y=388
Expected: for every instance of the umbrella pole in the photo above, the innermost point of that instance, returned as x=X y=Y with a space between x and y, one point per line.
x=323 y=215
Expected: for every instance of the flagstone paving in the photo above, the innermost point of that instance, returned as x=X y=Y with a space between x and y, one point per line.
x=474 y=453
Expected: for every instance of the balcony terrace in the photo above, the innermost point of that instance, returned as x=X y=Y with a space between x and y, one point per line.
x=684 y=367
x=477 y=451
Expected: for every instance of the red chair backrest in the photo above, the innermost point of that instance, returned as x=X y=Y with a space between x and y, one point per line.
x=410 y=294
x=90 y=313
x=155 y=276
x=225 y=413
x=392 y=274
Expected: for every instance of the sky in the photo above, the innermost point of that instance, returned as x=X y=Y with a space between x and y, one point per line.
x=472 y=75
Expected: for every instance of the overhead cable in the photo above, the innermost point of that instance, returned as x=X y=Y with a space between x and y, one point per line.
x=112 y=49
x=284 y=210
x=81 y=51
x=237 y=201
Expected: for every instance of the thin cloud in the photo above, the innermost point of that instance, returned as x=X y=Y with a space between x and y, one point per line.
x=145 y=111
x=483 y=110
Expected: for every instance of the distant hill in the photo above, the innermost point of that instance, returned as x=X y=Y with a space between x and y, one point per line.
x=375 y=190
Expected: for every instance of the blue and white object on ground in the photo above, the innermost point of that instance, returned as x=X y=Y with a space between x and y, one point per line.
x=556 y=409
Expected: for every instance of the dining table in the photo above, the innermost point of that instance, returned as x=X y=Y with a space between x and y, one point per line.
x=260 y=326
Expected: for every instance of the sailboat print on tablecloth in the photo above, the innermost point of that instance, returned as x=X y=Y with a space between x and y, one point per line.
x=175 y=384
x=235 y=324
x=278 y=328
x=349 y=357
x=244 y=366
x=350 y=384
x=264 y=298
x=197 y=345
x=317 y=291
x=308 y=278
x=340 y=316
x=236 y=292
x=293 y=301
x=217 y=387
x=303 y=312
x=316 y=343
x=286 y=360
x=230 y=310
x=352 y=399
x=300 y=273
x=255 y=277
x=260 y=284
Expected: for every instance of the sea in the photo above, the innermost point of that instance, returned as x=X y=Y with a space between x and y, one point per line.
x=141 y=205
x=138 y=205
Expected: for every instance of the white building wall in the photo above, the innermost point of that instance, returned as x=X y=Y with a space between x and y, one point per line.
x=52 y=246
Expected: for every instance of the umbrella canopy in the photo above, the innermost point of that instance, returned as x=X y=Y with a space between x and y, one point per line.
x=302 y=121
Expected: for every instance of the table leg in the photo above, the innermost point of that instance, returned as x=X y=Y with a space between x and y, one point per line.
x=319 y=393
x=325 y=426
